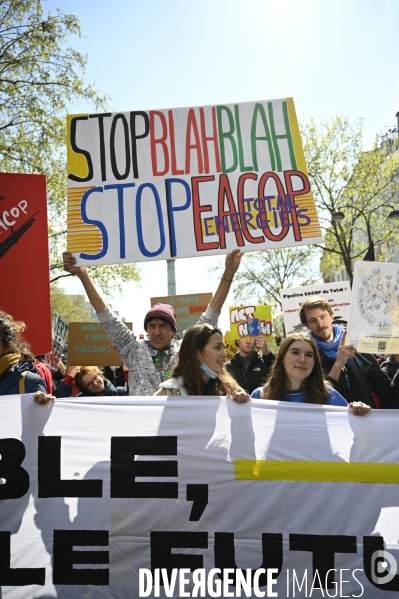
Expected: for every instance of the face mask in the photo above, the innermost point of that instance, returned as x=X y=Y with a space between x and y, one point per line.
x=208 y=372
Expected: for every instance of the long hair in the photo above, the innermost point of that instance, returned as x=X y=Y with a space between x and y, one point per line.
x=10 y=333
x=314 y=386
x=92 y=370
x=189 y=366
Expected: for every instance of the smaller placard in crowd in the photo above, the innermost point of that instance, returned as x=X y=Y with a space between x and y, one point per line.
x=250 y=321
x=337 y=294
x=188 y=308
x=230 y=346
x=374 y=315
x=59 y=334
x=90 y=345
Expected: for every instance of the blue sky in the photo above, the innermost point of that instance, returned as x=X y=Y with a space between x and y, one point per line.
x=334 y=57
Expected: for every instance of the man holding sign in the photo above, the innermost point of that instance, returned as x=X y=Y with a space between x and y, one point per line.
x=356 y=376
x=248 y=366
x=151 y=361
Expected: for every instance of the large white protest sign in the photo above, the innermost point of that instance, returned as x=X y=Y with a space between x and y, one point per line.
x=338 y=294
x=161 y=184
x=98 y=493
x=374 y=315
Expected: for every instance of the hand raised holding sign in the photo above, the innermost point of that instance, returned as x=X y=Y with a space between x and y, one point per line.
x=345 y=352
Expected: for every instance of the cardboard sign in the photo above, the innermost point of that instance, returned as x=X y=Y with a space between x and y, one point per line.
x=188 y=308
x=195 y=181
x=374 y=315
x=24 y=259
x=337 y=294
x=89 y=344
x=60 y=332
x=250 y=321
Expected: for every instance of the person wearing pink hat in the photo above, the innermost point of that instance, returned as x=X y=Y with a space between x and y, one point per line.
x=151 y=361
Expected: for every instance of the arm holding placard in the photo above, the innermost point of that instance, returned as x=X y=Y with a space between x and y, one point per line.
x=212 y=313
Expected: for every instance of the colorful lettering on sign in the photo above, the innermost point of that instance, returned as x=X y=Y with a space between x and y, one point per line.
x=176 y=183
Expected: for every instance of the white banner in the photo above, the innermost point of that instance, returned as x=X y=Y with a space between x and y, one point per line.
x=98 y=493
x=374 y=316
x=195 y=181
x=338 y=294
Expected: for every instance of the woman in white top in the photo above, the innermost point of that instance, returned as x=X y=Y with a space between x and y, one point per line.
x=200 y=369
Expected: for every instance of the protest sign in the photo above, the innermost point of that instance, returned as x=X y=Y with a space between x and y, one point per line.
x=195 y=181
x=374 y=315
x=230 y=346
x=113 y=490
x=90 y=345
x=188 y=308
x=60 y=332
x=337 y=294
x=24 y=260
x=250 y=321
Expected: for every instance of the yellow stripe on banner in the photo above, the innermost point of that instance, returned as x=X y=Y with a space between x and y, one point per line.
x=328 y=472
x=296 y=137
x=82 y=237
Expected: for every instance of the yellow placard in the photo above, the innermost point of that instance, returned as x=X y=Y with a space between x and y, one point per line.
x=250 y=321
x=230 y=346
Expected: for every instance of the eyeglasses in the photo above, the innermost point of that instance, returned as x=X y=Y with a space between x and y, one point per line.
x=90 y=386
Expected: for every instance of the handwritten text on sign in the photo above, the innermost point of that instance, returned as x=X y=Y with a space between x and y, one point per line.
x=250 y=321
x=151 y=185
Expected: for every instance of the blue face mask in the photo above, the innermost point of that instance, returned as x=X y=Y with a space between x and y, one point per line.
x=208 y=372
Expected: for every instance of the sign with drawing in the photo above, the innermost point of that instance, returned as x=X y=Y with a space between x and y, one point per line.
x=250 y=321
x=374 y=316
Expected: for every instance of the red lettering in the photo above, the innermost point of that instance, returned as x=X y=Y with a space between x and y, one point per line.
x=213 y=138
x=240 y=196
x=225 y=192
x=158 y=141
x=197 y=209
x=175 y=170
x=194 y=309
x=306 y=188
x=280 y=191
x=192 y=127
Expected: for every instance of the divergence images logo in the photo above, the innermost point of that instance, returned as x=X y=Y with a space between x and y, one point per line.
x=379 y=562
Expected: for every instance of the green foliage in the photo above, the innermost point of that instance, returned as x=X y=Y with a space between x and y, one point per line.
x=40 y=81
x=362 y=185
x=71 y=308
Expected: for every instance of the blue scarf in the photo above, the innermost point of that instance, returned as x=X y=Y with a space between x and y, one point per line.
x=330 y=350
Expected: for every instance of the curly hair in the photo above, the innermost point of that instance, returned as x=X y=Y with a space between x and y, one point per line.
x=10 y=333
x=314 y=386
x=189 y=366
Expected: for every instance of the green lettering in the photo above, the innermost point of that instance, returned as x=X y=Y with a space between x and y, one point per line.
x=239 y=141
x=226 y=135
x=286 y=135
x=259 y=110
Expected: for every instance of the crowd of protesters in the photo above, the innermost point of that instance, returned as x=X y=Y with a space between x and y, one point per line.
x=317 y=366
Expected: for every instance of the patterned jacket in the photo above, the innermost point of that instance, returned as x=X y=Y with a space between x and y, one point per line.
x=145 y=375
